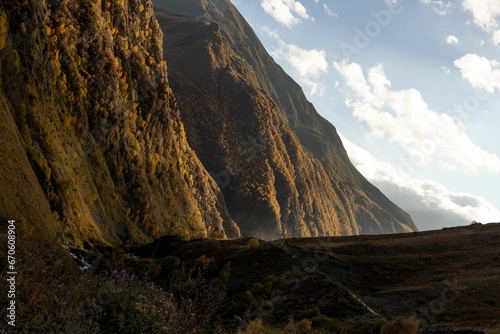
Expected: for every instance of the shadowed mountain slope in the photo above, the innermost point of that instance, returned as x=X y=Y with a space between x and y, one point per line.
x=278 y=176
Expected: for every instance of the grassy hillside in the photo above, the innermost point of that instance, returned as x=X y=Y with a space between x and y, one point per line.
x=446 y=280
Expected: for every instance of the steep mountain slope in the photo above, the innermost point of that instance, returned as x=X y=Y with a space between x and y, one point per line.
x=278 y=177
x=24 y=194
x=89 y=93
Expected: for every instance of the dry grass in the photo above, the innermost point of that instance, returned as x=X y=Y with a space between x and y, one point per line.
x=401 y=325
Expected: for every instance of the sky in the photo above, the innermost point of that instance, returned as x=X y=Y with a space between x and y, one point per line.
x=413 y=88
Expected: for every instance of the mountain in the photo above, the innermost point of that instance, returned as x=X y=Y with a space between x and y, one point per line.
x=101 y=155
x=122 y=155
x=282 y=167
x=87 y=86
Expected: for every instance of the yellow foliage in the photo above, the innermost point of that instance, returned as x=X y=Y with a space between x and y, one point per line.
x=204 y=260
x=93 y=198
x=3 y=30
x=184 y=234
x=304 y=326
x=61 y=29
x=156 y=231
x=67 y=121
x=253 y=242
x=289 y=328
x=255 y=327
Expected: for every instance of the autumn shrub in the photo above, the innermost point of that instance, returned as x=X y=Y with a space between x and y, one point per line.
x=400 y=325
x=304 y=326
x=253 y=243
x=254 y=327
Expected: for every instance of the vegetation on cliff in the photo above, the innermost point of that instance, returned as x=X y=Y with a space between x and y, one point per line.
x=88 y=88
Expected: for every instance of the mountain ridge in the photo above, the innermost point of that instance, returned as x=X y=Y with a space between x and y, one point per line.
x=186 y=23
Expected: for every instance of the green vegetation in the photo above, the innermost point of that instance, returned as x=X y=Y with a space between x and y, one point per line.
x=327 y=323
x=66 y=185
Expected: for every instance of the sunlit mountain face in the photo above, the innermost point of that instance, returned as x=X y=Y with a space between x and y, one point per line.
x=413 y=88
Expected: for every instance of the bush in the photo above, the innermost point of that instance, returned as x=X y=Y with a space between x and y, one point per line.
x=197 y=302
x=55 y=297
x=253 y=243
x=255 y=327
x=401 y=325
x=323 y=322
x=304 y=326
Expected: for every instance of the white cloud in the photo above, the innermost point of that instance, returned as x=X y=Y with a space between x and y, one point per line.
x=309 y=65
x=286 y=12
x=441 y=7
x=485 y=14
x=405 y=118
x=452 y=39
x=480 y=72
x=446 y=70
x=496 y=37
x=329 y=11
x=431 y=205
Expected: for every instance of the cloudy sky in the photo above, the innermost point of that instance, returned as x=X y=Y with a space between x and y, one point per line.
x=412 y=86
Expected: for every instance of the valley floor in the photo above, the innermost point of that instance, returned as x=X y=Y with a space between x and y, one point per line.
x=447 y=279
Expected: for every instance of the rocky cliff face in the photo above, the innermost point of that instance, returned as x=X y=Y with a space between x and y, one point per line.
x=87 y=86
x=91 y=117
x=282 y=167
